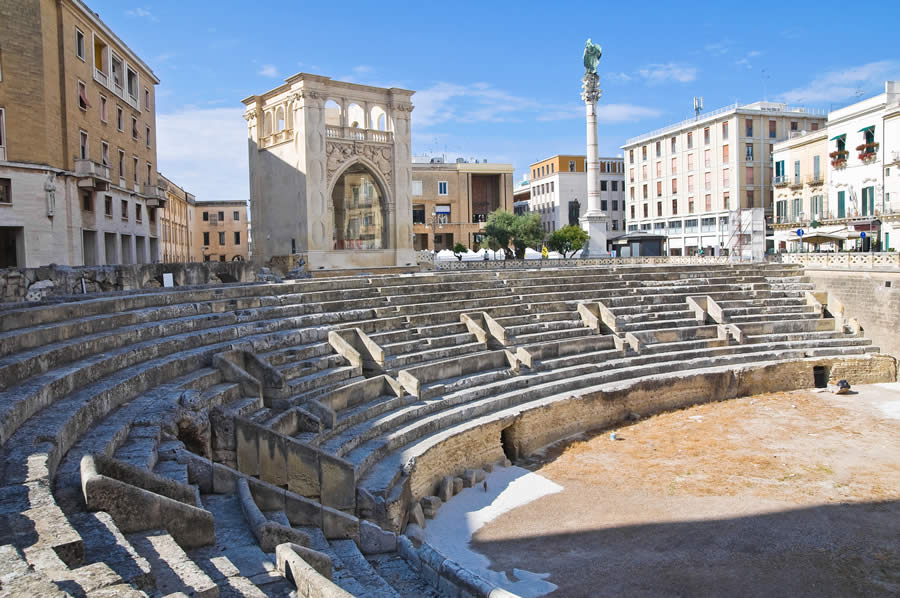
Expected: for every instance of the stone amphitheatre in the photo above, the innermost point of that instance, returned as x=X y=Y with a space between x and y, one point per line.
x=270 y=439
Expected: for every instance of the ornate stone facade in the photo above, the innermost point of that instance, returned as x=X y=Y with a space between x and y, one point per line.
x=330 y=173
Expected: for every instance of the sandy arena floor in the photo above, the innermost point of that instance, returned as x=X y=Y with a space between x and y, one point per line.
x=788 y=494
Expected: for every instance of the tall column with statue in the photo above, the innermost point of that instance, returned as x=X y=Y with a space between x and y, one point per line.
x=595 y=220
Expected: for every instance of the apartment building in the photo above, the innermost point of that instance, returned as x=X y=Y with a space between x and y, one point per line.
x=176 y=224
x=843 y=181
x=693 y=181
x=451 y=201
x=559 y=192
x=220 y=231
x=78 y=181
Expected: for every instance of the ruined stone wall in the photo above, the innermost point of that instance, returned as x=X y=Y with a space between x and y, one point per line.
x=35 y=284
x=866 y=297
x=524 y=429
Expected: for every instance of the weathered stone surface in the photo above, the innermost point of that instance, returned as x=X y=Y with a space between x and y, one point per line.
x=458 y=485
x=446 y=490
x=417 y=516
x=469 y=477
x=374 y=540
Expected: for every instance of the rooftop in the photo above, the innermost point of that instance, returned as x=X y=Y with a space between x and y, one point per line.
x=767 y=107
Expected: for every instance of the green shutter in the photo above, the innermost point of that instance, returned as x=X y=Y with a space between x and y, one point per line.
x=841 y=211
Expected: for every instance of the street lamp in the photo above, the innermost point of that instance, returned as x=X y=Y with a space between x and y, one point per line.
x=435 y=225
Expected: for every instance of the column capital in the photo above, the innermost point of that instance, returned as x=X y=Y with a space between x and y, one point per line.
x=591 y=91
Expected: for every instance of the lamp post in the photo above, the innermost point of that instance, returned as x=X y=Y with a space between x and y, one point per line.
x=435 y=225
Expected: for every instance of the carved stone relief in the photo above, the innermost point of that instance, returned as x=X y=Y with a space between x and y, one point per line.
x=340 y=152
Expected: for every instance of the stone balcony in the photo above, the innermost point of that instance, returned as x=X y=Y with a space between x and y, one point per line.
x=276 y=138
x=92 y=175
x=154 y=194
x=357 y=134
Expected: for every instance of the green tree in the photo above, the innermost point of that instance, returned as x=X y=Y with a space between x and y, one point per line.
x=500 y=230
x=458 y=250
x=505 y=228
x=528 y=233
x=567 y=240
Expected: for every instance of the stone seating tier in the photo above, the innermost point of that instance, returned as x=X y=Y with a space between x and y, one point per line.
x=134 y=377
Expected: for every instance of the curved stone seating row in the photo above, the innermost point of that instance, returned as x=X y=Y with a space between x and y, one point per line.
x=134 y=377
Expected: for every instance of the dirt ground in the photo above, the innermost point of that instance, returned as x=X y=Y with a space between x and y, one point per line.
x=786 y=494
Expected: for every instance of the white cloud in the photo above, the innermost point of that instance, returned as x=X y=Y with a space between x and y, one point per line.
x=362 y=69
x=606 y=113
x=481 y=102
x=661 y=73
x=717 y=48
x=205 y=151
x=616 y=77
x=142 y=13
x=754 y=53
x=845 y=83
x=268 y=70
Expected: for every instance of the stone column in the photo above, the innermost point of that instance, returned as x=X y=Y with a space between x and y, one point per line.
x=595 y=220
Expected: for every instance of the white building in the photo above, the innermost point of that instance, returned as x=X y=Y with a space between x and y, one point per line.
x=856 y=188
x=694 y=180
x=558 y=192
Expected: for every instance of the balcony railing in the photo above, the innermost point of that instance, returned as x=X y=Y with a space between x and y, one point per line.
x=780 y=180
x=815 y=179
x=796 y=182
x=358 y=134
x=89 y=168
x=100 y=77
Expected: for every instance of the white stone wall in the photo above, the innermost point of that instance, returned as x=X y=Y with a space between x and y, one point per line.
x=57 y=239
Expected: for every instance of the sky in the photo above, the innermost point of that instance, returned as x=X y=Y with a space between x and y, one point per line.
x=493 y=80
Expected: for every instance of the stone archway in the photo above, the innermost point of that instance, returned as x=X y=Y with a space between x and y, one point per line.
x=361 y=210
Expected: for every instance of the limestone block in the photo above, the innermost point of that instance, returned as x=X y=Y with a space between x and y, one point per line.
x=446 y=490
x=429 y=512
x=337 y=478
x=489 y=467
x=247 y=445
x=319 y=561
x=431 y=502
x=468 y=478
x=407 y=550
x=302 y=511
x=374 y=540
x=417 y=516
x=337 y=525
x=457 y=485
x=302 y=470
x=479 y=476
x=272 y=458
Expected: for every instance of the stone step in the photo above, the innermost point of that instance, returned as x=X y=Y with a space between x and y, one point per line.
x=321 y=379
x=173 y=570
x=341 y=574
x=139 y=449
x=298 y=369
x=300 y=399
x=235 y=562
x=104 y=543
x=172 y=470
x=337 y=440
x=650 y=325
x=422 y=343
x=398 y=362
x=551 y=335
x=394 y=569
x=362 y=571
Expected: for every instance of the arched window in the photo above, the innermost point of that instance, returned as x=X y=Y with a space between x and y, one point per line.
x=356 y=116
x=378 y=118
x=279 y=119
x=268 y=129
x=360 y=218
x=332 y=113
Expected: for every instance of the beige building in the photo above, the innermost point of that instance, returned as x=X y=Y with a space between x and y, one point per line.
x=451 y=202
x=330 y=174
x=694 y=181
x=220 y=231
x=78 y=178
x=176 y=224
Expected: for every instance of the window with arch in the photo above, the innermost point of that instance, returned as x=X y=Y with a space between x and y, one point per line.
x=332 y=113
x=268 y=124
x=360 y=216
x=279 y=120
x=356 y=116
x=378 y=118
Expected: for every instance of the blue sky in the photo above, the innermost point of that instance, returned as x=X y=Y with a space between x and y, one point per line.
x=495 y=80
